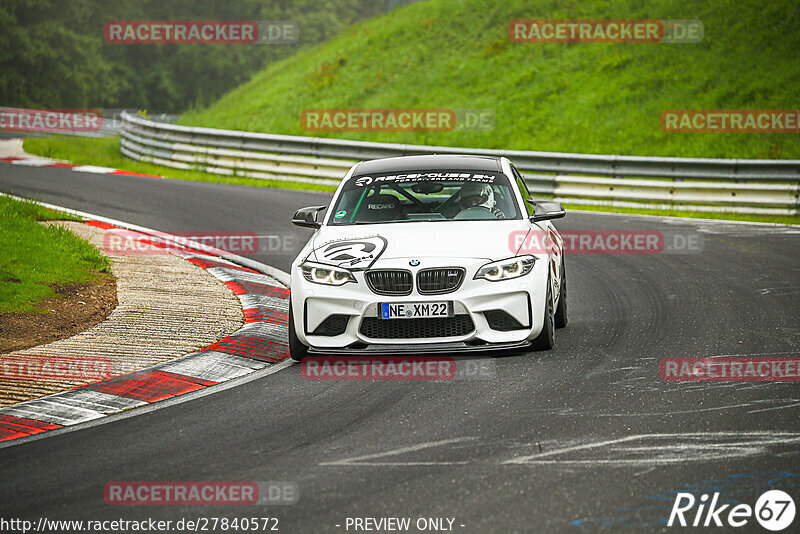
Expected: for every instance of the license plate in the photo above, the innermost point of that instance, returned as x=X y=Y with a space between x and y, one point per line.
x=416 y=310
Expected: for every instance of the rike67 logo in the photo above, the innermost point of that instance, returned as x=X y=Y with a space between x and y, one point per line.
x=774 y=510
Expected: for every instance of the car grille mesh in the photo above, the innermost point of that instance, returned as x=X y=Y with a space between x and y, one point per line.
x=458 y=325
x=389 y=282
x=441 y=280
x=429 y=281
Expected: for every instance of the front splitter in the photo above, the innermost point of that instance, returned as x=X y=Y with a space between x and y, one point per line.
x=417 y=348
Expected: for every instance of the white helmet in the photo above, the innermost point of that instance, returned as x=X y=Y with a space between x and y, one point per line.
x=473 y=194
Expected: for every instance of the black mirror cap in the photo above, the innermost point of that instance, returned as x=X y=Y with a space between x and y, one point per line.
x=307 y=217
x=546 y=210
x=306 y=224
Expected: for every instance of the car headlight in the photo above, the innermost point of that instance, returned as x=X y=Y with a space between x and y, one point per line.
x=505 y=269
x=326 y=274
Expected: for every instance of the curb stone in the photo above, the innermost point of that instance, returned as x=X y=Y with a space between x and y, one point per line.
x=260 y=343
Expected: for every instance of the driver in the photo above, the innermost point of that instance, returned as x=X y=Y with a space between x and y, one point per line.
x=479 y=195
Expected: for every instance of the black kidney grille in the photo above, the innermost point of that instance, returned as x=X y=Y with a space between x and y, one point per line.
x=439 y=280
x=390 y=282
x=458 y=325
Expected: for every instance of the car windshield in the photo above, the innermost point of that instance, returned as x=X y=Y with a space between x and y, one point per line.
x=425 y=196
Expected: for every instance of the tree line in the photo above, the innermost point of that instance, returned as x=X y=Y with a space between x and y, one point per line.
x=53 y=53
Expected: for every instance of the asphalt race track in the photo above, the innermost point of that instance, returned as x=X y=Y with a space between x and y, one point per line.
x=586 y=435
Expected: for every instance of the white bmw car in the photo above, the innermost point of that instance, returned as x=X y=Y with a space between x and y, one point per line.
x=420 y=254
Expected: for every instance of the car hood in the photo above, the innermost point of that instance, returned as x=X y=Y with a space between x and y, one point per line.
x=361 y=246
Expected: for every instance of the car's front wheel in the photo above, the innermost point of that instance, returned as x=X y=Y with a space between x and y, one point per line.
x=547 y=338
x=561 y=319
x=297 y=350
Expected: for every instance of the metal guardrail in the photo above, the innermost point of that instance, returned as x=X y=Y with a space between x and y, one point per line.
x=695 y=184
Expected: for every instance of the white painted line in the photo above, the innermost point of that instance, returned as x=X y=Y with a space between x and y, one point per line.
x=359 y=460
x=688 y=447
x=747 y=354
x=232 y=274
x=34 y=162
x=564 y=450
x=47 y=410
x=775 y=408
x=397 y=464
x=96 y=401
x=658 y=414
x=93 y=169
x=214 y=366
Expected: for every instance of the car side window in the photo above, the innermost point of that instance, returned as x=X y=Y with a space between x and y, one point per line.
x=523 y=189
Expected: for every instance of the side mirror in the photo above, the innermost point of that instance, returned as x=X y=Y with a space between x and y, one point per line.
x=307 y=217
x=545 y=210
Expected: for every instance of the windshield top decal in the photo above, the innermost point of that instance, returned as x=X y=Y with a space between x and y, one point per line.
x=363 y=181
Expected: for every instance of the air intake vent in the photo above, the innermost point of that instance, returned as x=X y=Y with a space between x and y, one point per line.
x=333 y=325
x=459 y=325
x=502 y=321
x=389 y=282
x=439 y=280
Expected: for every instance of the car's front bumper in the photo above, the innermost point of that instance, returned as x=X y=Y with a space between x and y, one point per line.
x=521 y=298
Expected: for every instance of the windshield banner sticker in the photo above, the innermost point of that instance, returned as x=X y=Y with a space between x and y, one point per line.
x=362 y=181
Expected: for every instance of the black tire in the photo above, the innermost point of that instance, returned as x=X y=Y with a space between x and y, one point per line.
x=297 y=350
x=547 y=338
x=561 y=318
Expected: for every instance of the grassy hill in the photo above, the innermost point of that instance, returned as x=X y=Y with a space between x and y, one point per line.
x=589 y=98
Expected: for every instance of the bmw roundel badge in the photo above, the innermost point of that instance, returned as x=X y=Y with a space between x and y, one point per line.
x=413 y=263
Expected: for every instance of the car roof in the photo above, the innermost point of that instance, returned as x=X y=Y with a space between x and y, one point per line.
x=438 y=162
